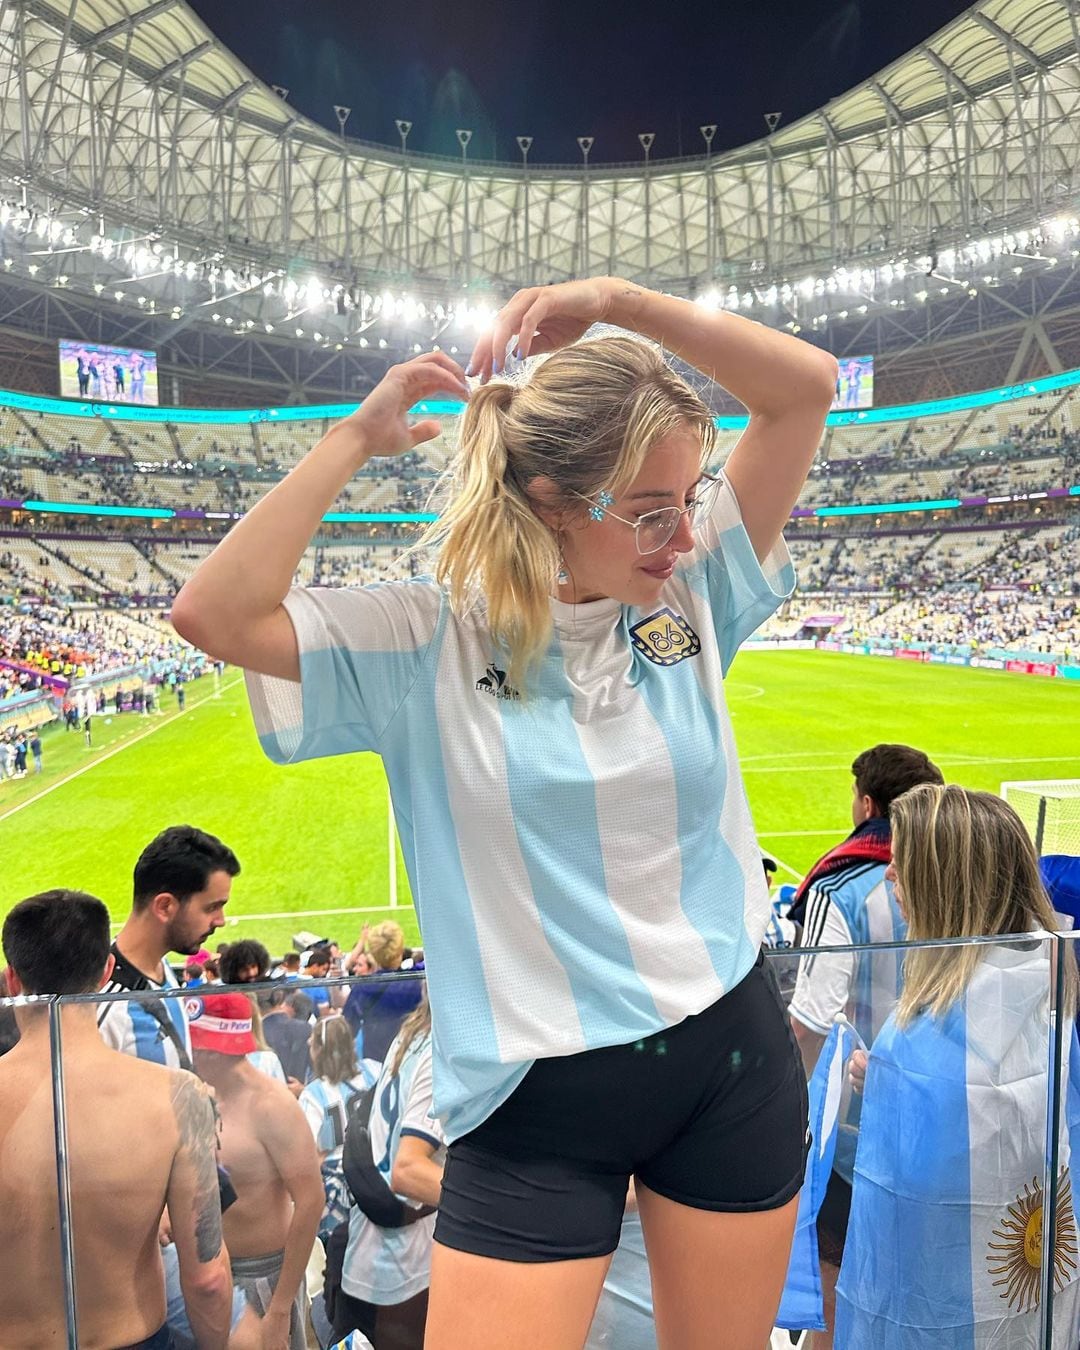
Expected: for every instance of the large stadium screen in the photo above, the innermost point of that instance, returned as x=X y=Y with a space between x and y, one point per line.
x=854 y=384
x=89 y=370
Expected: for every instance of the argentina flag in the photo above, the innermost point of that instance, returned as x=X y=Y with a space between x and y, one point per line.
x=801 y=1306
x=944 y=1244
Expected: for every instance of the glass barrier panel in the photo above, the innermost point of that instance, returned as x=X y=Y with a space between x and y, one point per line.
x=33 y=1301
x=205 y=1201
x=228 y=1200
x=1051 y=1226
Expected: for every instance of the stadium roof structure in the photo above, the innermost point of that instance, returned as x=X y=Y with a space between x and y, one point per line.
x=133 y=136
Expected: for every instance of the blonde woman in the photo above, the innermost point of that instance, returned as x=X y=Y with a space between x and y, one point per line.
x=375 y=1009
x=550 y=712
x=944 y=1243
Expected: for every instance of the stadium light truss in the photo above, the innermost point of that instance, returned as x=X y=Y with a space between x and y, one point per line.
x=161 y=277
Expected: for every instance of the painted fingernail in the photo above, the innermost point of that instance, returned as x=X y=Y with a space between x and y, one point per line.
x=469 y=370
x=495 y=366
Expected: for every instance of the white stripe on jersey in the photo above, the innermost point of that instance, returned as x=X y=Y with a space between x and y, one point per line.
x=669 y=953
x=505 y=913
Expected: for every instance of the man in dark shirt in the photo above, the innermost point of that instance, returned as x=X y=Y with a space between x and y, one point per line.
x=286 y=1036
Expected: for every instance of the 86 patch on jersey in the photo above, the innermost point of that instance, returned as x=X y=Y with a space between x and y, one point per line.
x=665 y=638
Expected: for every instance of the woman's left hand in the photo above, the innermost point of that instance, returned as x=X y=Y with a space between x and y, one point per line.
x=543 y=319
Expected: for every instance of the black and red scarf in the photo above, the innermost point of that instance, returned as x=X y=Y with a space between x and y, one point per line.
x=869 y=842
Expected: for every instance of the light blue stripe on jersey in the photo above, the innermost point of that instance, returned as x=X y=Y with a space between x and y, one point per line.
x=576 y=912
x=149 y=1035
x=467 y=1087
x=332 y=682
x=737 y=611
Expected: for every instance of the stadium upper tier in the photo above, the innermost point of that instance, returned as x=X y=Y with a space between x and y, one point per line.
x=133 y=111
x=959 y=455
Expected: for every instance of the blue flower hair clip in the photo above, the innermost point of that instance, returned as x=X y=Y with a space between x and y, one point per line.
x=604 y=499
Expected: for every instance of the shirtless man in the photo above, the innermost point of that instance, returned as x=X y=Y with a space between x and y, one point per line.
x=269 y=1152
x=140 y=1137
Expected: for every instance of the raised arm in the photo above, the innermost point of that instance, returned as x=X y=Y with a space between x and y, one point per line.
x=194 y=1208
x=786 y=384
x=231 y=607
x=285 y=1135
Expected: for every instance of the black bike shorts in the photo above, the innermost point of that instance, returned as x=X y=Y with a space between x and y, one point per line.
x=710 y=1113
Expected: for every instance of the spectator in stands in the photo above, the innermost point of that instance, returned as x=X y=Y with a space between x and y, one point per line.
x=375 y=1011
x=386 y=1271
x=181 y=887
x=139 y=1134
x=336 y=1078
x=318 y=968
x=194 y=972
x=845 y=900
x=290 y=966
x=245 y=962
x=262 y=1056
x=574 y=494
x=268 y=1151
x=301 y=1006
x=286 y=1036
x=953 y=1129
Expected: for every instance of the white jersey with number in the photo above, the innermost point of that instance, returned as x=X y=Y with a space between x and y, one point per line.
x=583 y=861
x=389 y=1265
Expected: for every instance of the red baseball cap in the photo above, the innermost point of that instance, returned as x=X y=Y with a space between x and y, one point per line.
x=221 y=1022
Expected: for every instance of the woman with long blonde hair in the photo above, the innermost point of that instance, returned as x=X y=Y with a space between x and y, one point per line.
x=944 y=1245
x=336 y=1077
x=550 y=711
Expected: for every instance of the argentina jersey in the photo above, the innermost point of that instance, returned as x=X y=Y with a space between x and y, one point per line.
x=150 y=1029
x=390 y=1265
x=582 y=859
x=854 y=907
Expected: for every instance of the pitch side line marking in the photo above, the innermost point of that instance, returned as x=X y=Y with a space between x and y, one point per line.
x=116 y=749
x=787 y=868
x=299 y=914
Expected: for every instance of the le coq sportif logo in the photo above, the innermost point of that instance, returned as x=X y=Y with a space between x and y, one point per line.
x=493 y=682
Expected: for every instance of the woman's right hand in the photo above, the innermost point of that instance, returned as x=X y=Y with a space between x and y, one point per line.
x=857 y=1070
x=383 y=417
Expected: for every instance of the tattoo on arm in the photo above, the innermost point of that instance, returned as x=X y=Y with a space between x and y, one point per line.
x=196 y=1120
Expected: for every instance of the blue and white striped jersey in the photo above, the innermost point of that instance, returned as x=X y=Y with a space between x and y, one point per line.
x=128 y=1025
x=583 y=861
x=389 y=1265
x=851 y=907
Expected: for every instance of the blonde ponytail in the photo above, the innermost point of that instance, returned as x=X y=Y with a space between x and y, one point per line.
x=583 y=420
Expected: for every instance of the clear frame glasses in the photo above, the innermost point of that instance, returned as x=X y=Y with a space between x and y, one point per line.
x=653 y=530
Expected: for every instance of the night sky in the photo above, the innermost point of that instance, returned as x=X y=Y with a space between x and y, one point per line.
x=555 y=70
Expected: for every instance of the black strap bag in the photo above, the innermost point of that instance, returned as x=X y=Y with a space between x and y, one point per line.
x=372 y=1196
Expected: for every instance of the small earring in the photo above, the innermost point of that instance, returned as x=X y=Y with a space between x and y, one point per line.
x=562 y=576
x=604 y=499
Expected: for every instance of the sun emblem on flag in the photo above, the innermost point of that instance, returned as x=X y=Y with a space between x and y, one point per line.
x=1017 y=1258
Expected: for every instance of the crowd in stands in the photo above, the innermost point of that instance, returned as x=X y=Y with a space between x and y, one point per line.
x=284 y=1052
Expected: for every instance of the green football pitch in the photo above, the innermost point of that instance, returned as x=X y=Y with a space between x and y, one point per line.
x=313 y=838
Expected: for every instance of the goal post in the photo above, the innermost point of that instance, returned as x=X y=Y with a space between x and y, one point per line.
x=1050 y=809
